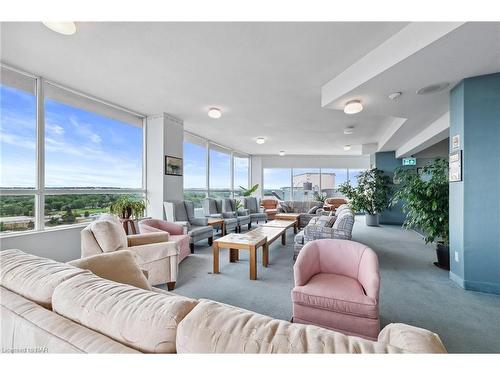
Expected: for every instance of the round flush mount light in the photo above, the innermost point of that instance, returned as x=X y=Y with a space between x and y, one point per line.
x=394 y=95
x=214 y=113
x=349 y=130
x=260 y=140
x=347 y=147
x=352 y=107
x=432 y=89
x=64 y=28
x=282 y=153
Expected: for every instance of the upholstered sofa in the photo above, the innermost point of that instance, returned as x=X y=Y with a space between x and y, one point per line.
x=65 y=309
x=155 y=252
x=338 y=226
x=303 y=208
x=212 y=208
x=182 y=212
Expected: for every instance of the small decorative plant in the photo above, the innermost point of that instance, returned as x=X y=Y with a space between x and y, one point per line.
x=424 y=198
x=320 y=197
x=248 y=192
x=127 y=206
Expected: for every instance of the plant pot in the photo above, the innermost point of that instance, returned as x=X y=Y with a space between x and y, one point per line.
x=443 y=256
x=372 y=220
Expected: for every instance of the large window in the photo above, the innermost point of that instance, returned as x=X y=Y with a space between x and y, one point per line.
x=68 y=166
x=220 y=172
x=195 y=170
x=300 y=184
x=228 y=170
x=277 y=183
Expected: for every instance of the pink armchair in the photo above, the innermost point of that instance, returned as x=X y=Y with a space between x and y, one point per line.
x=337 y=287
x=175 y=232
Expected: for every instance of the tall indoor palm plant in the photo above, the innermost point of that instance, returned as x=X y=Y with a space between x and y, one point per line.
x=424 y=198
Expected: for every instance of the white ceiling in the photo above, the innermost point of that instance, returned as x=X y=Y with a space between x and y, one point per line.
x=266 y=77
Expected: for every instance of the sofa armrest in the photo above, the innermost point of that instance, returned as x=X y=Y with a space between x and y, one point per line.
x=316 y=232
x=411 y=339
x=199 y=221
x=213 y=216
x=147 y=238
x=305 y=267
x=243 y=212
x=152 y=252
x=229 y=215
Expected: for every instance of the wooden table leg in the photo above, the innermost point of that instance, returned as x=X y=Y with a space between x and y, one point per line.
x=215 y=251
x=296 y=227
x=283 y=238
x=253 y=263
x=233 y=255
x=265 y=254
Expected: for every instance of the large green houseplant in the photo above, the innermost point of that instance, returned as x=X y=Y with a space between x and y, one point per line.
x=424 y=198
x=127 y=206
x=371 y=195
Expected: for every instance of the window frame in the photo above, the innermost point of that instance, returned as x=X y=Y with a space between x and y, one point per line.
x=40 y=191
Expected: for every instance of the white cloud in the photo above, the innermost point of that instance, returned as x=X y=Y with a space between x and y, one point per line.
x=55 y=129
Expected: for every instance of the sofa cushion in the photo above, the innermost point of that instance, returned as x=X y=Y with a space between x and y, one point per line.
x=109 y=235
x=28 y=325
x=144 y=320
x=120 y=266
x=336 y=293
x=323 y=221
x=299 y=238
x=412 y=339
x=33 y=277
x=212 y=327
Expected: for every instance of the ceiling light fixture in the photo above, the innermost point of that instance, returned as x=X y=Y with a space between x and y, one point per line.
x=394 y=95
x=260 y=140
x=349 y=130
x=64 y=28
x=353 y=106
x=214 y=113
x=347 y=147
x=432 y=89
x=282 y=153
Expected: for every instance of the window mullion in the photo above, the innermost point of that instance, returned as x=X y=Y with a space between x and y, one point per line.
x=40 y=157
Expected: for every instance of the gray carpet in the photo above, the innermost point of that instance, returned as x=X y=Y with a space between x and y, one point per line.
x=413 y=290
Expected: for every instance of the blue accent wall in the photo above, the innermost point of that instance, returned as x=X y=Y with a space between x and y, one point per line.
x=475 y=202
x=387 y=162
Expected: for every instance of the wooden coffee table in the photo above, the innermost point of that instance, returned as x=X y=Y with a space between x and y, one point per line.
x=215 y=222
x=287 y=216
x=272 y=234
x=285 y=224
x=250 y=241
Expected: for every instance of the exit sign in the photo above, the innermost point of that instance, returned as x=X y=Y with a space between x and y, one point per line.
x=409 y=161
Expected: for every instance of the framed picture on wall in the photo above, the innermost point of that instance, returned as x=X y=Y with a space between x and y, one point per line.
x=173 y=166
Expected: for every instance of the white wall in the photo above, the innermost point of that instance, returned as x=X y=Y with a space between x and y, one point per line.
x=259 y=162
x=59 y=244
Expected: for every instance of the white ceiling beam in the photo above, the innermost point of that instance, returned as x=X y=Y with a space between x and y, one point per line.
x=434 y=133
x=406 y=42
x=396 y=123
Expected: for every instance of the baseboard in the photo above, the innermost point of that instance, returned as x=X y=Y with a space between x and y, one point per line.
x=476 y=286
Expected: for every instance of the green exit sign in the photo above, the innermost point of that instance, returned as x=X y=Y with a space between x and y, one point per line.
x=409 y=161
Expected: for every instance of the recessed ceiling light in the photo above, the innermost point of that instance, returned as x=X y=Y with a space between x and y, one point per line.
x=394 y=95
x=431 y=89
x=260 y=140
x=353 y=106
x=349 y=130
x=282 y=153
x=214 y=113
x=347 y=147
x=64 y=28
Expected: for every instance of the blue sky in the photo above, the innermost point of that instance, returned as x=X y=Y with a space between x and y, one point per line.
x=220 y=168
x=81 y=148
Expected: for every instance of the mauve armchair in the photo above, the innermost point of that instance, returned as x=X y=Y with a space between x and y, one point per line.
x=337 y=287
x=175 y=232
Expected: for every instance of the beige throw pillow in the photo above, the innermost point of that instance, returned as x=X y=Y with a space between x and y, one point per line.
x=119 y=266
x=109 y=235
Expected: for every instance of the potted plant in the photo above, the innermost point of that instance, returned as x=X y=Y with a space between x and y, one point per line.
x=370 y=196
x=424 y=198
x=127 y=206
x=248 y=192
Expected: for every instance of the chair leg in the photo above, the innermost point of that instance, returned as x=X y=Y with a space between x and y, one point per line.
x=249 y=226
x=191 y=247
x=171 y=285
x=210 y=241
